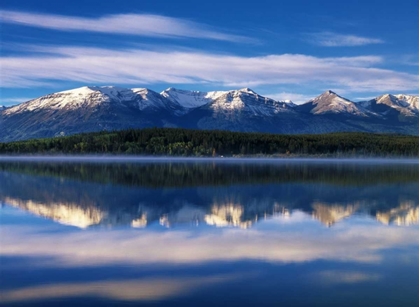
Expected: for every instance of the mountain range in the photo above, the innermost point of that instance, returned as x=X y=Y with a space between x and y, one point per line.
x=91 y=108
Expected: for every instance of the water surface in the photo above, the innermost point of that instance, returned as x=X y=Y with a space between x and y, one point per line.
x=209 y=232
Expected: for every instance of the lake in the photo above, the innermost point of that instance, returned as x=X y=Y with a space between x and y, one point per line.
x=208 y=232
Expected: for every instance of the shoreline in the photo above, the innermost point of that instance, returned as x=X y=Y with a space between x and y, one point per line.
x=92 y=158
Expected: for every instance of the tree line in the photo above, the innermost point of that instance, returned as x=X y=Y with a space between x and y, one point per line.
x=203 y=143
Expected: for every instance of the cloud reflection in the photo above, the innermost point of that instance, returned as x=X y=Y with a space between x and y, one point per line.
x=281 y=240
x=346 y=277
x=151 y=289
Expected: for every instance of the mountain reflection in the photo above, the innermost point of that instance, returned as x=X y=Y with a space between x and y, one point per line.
x=407 y=213
x=236 y=195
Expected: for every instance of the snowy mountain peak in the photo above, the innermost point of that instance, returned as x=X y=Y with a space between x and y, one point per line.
x=111 y=91
x=80 y=90
x=289 y=103
x=330 y=97
x=248 y=102
x=412 y=100
x=331 y=103
x=65 y=100
x=141 y=90
x=391 y=101
x=92 y=97
x=388 y=104
x=190 y=99
x=330 y=92
x=247 y=90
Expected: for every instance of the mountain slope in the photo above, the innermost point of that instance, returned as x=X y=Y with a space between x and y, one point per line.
x=412 y=100
x=402 y=108
x=190 y=99
x=331 y=103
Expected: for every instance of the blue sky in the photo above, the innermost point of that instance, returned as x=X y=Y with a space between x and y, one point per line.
x=282 y=49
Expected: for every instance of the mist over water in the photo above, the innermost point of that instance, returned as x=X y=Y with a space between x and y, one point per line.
x=112 y=230
x=171 y=159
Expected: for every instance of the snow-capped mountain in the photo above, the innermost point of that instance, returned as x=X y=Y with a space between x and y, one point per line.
x=331 y=103
x=242 y=110
x=412 y=100
x=190 y=99
x=399 y=100
x=86 y=109
x=394 y=105
x=93 y=108
x=93 y=97
x=246 y=100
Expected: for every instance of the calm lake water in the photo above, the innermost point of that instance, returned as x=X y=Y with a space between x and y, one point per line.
x=209 y=232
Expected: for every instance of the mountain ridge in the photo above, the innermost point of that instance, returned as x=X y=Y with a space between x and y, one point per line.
x=94 y=108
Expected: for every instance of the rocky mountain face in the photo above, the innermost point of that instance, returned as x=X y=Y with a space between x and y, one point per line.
x=331 y=103
x=89 y=109
x=399 y=108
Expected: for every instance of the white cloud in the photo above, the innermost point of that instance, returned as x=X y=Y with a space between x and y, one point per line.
x=139 y=66
x=330 y=39
x=132 y=24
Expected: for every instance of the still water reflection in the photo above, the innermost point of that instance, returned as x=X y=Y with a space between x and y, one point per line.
x=209 y=233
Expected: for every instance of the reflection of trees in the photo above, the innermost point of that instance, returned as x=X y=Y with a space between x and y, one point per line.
x=277 y=189
x=181 y=174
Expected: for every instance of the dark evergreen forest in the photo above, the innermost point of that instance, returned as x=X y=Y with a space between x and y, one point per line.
x=201 y=143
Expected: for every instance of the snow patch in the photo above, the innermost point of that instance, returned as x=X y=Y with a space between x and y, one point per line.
x=249 y=102
x=330 y=102
x=190 y=99
x=247 y=90
x=412 y=100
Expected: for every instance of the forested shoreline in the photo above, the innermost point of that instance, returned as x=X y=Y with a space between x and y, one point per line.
x=214 y=143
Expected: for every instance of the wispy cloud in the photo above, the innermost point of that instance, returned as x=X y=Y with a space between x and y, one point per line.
x=330 y=39
x=139 y=66
x=407 y=59
x=132 y=24
x=14 y=100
